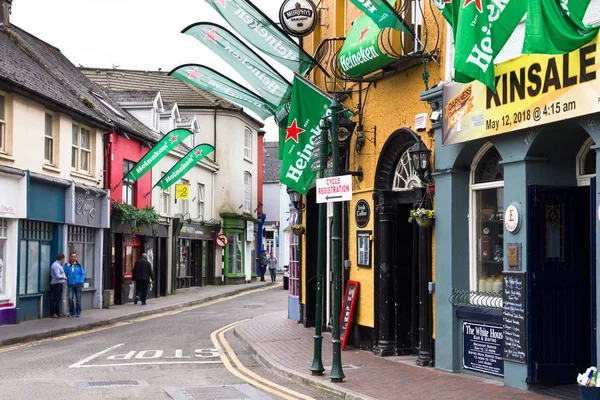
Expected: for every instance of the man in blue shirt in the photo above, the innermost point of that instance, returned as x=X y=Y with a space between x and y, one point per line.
x=75 y=277
x=57 y=279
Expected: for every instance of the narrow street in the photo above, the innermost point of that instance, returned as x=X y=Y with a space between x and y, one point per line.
x=186 y=354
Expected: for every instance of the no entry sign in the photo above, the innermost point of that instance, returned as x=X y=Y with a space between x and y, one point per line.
x=222 y=240
x=336 y=188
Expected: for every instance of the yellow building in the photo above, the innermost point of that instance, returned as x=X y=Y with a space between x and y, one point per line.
x=381 y=81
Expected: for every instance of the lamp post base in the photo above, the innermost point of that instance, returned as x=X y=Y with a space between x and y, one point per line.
x=317 y=364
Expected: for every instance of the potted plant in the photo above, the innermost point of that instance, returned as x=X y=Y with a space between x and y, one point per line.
x=298 y=229
x=424 y=217
x=134 y=216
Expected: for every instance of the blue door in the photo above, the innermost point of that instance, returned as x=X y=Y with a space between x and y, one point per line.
x=559 y=276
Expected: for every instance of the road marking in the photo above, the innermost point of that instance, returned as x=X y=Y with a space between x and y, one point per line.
x=145 y=363
x=90 y=358
x=154 y=355
x=259 y=382
x=134 y=320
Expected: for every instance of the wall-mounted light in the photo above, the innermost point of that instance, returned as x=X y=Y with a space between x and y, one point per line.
x=420 y=158
x=296 y=199
x=360 y=141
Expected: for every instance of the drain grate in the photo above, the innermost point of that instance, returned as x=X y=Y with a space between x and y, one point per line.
x=229 y=392
x=109 y=384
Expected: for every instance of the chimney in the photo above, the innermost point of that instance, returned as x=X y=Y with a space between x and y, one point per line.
x=5 y=6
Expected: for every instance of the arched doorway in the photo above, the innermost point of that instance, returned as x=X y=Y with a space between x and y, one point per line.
x=397 y=249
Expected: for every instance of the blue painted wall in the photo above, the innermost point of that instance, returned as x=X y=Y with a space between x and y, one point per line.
x=45 y=203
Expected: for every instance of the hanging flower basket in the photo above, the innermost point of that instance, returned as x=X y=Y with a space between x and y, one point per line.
x=298 y=230
x=424 y=217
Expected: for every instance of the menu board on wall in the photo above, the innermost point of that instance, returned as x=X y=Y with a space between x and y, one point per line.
x=482 y=348
x=513 y=317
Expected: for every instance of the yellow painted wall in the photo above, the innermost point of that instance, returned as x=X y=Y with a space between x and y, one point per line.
x=392 y=103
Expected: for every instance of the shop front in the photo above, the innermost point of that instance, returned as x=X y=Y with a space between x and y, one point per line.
x=86 y=217
x=194 y=255
x=516 y=229
x=13 y=207
x=240 y=254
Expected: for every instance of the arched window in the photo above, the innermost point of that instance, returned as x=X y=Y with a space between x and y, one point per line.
x=405 y=177
x=586 y=163
x=487 y=221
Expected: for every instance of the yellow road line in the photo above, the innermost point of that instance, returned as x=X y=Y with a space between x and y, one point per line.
x=131 y=321
x=252 y=378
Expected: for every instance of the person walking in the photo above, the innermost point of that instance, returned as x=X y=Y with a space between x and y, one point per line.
x=272 y=263
x=142 y=275
x=57 y=280
x=264 y=259
x=75 y=278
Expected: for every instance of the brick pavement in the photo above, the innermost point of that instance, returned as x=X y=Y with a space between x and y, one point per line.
x=287 y=346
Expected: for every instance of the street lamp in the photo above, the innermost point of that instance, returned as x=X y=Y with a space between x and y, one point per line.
x=295 y=198
x=419 y=156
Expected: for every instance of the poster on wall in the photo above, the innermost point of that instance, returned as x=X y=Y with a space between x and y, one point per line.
x=482 y=348
x=531 y=90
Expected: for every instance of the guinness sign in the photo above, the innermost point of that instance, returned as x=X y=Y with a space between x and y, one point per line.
x=298 y=17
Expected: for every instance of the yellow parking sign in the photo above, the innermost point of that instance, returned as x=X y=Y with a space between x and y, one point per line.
x=182 y=191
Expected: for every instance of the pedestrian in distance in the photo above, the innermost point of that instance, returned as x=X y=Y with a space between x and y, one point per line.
x=75 y=278
x=57 y=280
x=264 y=260
x=142 y=275
x=272 y=263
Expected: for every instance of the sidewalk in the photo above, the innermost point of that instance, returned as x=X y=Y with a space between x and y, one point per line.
x=285 y=345
x=45 y=328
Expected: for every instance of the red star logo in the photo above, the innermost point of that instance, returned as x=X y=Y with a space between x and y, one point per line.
x=363 y=33
x=221 y=2
x=293 y=131
x=194 y=73
x=211 y=35
x=477 y=4
x=198 y=153
x=173 y=139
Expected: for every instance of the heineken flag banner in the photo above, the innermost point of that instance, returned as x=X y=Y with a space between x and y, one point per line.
x=308 y=105
x=262 y=32
x=361 y=54
x=556 y=26
x=481 y=28
x=184 y=165
x=262 y=77
x=208 y=79
x=381 y=12
x=156 y=153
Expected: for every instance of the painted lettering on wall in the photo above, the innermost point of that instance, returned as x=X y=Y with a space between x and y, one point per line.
x=6 y=210
x=85 y=206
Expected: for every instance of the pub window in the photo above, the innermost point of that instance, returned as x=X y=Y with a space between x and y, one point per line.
x=82 y=240
x=34 y=256
x=235 y=253
x=132 y=253
x=487 y=221
x=294 y=265
x=128 y=184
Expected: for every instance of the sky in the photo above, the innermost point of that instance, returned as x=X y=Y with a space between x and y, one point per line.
x=131 y=34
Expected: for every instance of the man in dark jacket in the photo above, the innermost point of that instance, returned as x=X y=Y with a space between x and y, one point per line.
x=142 y=275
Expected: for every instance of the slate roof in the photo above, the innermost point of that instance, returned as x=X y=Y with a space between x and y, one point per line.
x=36 y=69
x=272 y=164
x=134 y=96
x=171 y=89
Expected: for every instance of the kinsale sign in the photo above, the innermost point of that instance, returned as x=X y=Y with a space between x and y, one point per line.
x=531 y=90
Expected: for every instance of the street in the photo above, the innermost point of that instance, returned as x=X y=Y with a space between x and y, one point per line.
x=190 y=353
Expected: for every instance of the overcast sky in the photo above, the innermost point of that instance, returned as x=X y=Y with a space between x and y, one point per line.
x=133 y=34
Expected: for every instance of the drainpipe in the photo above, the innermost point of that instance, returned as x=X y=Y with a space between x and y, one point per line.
x=215 y=135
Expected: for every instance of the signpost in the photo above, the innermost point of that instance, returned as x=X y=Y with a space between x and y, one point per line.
x=222 y=240
x=334 y=189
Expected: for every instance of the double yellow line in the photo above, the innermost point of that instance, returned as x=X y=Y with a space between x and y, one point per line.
x=226 y=353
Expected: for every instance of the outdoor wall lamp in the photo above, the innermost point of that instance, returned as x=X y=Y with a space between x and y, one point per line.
x=154 y=228
x=419 y=156
x=295 y=198
x=360 y=141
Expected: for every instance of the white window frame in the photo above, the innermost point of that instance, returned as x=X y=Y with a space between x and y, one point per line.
x=201 y=191
x=473 y=189
x=583 y=179
x=128 y=183
x=248 y=144
x=3 y=135
x=184 y=204
x=165 y=199
x=79 y=150
x=247 y=206
x=49 y=145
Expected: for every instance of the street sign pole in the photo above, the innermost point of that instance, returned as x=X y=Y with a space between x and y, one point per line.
x=337 y=374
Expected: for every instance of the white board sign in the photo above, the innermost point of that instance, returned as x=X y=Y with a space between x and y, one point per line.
x=335 y=188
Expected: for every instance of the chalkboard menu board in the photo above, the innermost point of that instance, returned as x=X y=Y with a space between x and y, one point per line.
x=348 y=310
x=513 y=316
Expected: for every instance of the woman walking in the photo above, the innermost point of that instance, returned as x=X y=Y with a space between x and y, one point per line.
x=272 y=263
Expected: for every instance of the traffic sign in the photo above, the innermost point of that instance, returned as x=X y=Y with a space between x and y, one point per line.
x=335 y=188
x=222 y=240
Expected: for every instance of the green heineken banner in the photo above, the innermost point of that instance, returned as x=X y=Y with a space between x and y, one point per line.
x=258 y=29
x=556 y=26
x=381 y=12
x=208 y=79
x=361 y=54
x=262 y=77
x=156 y=153
x=307 y=107
x=481 y=28
x=184 y=165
